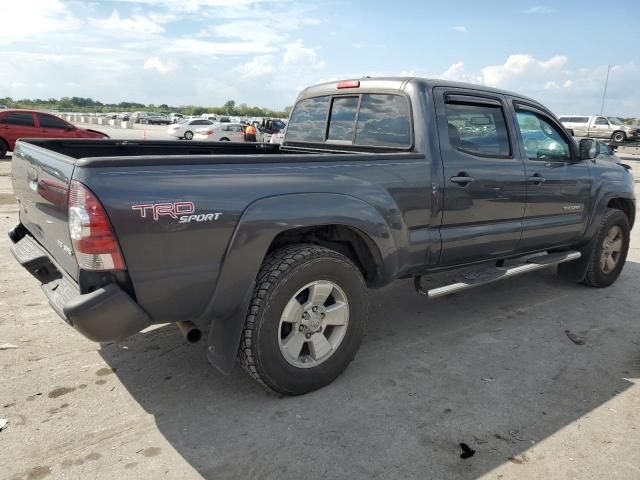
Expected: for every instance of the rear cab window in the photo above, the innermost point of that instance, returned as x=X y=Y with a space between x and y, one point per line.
x=367 y=119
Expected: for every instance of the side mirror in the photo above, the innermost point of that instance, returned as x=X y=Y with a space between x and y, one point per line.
x=588 y=149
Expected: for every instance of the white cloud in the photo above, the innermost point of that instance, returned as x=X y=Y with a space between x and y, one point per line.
x=21 y=22
x=517 y=66
x=357 y=45
x=154 y=63
x=297 y=54
x=249 y=30
x=454 y=72
x=137 y=24
x=539 y=9
x=192 y=6
x=557 y=84
x=258 y=67
x=202 y=47
x=460 y=28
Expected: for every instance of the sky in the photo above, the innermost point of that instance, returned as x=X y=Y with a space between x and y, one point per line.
x=263 y=52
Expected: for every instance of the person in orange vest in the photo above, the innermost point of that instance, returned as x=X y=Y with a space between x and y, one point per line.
x=250 y=134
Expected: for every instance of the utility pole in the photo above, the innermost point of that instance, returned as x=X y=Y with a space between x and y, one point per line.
x=604 y=95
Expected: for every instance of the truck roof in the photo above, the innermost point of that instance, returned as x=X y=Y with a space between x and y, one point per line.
x=399 y=83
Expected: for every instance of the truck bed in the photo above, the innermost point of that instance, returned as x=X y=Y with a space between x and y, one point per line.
x=227 y=184
x=88 y=153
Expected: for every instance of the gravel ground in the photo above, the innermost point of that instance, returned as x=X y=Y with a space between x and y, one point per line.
x=538 y=376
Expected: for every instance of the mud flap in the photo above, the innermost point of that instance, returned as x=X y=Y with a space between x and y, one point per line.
x=224 y=336
x=576 y=271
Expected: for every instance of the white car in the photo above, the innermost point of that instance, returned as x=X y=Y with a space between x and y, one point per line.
x=186 y=128
x=221 y=132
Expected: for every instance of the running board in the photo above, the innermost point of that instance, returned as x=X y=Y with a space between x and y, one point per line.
x=493 y=274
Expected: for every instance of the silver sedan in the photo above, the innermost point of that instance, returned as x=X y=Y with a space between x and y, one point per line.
x=186 y=128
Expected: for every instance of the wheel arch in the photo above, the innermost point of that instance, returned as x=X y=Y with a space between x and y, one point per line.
x=626 y=205
x=350 y=241
x=340 y=222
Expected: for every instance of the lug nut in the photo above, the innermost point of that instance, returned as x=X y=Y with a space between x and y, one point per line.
x=308 y=335
x=322 y=315
x=315 y=309
x=301 y=327
x=305 y=315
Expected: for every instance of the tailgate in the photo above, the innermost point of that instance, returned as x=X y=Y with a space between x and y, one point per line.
x=41 y=184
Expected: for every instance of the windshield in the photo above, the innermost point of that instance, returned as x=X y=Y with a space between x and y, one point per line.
x=615 y=120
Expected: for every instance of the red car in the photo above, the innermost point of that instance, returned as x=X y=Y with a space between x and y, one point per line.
x=15 y=124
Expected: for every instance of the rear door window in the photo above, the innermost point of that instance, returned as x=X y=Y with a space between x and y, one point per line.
x=24 y=119
x=308 y=120
x=478 y=129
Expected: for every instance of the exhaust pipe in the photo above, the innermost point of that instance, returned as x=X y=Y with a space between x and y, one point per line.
x=189 y=330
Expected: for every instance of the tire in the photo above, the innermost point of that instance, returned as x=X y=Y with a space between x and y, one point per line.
x=601 y=273
x=188 y=135
x=3 y=149
x=224 y=139
x=619 y=137
x=281 y=282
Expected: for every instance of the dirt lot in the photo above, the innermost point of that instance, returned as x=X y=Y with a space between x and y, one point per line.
x=538 y=376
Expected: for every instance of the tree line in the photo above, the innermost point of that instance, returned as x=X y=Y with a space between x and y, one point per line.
x=89 y=105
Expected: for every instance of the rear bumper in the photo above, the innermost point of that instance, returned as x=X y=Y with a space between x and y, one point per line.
x=106 y=314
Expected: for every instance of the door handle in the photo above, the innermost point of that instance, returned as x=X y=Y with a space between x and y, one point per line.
x=462 y=179
x=537 y=179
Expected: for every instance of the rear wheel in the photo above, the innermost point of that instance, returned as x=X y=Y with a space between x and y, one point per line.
x=609 y=250
x=305 y=321
x=619 y=137
x=225 y=139
x=188 y=135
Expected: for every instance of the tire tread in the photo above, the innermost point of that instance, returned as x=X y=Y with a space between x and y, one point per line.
x=273 y=268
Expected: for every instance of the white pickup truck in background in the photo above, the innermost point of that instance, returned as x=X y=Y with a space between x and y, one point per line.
x=610 y=128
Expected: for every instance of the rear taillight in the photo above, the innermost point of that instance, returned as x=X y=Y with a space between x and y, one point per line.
x=94 y=243
x=206 y=131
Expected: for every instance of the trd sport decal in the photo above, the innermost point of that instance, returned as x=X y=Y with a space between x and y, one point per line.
x=184 y=212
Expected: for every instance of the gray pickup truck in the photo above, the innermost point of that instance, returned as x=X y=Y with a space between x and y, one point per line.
x=272 y=248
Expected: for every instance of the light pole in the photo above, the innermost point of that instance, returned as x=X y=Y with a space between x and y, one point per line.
x=604 y=94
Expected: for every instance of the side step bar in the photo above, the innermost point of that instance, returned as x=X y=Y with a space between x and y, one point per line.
x=493 y=274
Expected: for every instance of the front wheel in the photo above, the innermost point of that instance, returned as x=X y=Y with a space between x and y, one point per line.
x=188 y=135
x=609 y=250
x=305 y=321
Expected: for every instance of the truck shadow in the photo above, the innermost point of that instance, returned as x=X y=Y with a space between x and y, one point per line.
x=500 y=368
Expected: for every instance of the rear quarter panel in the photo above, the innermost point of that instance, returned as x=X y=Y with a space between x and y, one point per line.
x=175 y=267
